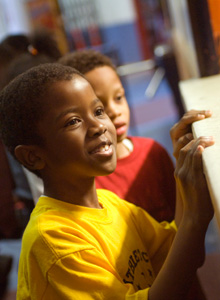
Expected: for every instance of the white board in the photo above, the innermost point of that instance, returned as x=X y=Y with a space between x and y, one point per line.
x=204 y=94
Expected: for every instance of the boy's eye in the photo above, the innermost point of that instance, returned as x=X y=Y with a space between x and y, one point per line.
x=118 y=97
x=100 y=111
x=72 y=122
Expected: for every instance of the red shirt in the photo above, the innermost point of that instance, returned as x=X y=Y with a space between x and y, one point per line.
x=145 y=178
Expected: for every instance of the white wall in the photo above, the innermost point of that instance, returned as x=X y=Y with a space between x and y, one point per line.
x=13 y=18
x=112 y=12
x=183 y=40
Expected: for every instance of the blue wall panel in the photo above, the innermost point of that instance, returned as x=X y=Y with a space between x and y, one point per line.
x=124 y=39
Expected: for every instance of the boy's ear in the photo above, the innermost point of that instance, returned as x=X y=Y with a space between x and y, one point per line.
x=30 y=157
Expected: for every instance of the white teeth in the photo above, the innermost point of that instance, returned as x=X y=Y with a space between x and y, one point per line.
x=104 y=148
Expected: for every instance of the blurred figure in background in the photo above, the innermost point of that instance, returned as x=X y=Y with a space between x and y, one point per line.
x=19 y=53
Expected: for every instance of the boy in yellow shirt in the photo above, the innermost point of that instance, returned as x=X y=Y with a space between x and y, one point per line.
x=81 y=243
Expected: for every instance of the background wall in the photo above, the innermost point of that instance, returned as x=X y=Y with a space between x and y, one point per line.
x=117 y=23
x=117 y=20
x=13 y=17
x=183 y=39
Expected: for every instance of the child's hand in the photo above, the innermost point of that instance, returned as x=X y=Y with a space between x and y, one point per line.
x=181 y=133
x=191 y=181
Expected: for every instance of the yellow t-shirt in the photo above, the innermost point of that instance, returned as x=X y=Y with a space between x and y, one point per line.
x=75 y=252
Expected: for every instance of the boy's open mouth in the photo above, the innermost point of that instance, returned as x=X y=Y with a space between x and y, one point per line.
x=103 y=148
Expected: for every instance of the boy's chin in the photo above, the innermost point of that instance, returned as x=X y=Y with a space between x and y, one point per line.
x=107 y=171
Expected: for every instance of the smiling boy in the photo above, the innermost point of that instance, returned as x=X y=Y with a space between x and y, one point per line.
x=86 y=244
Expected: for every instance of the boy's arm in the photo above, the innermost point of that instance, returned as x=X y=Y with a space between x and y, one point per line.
x=187 y=252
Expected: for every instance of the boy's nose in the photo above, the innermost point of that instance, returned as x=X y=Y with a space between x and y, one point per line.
x=112 y=111
x=97 y=128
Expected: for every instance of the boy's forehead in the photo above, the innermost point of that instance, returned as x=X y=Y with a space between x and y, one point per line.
x=76 y=83
x=72 y=91
x=62 y=87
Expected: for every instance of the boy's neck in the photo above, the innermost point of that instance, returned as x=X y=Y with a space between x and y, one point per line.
x=83 y=195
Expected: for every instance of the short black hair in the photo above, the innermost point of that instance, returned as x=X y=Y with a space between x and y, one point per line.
x=19 y=52
x=22 y=103
x=13 y=45
x=23 y=63
x=86 y=60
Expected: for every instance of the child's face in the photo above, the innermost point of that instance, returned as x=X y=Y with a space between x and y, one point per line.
x=80 y=139
x=108 y=88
